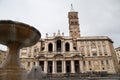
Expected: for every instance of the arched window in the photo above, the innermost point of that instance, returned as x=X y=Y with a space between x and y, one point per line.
x=50 y=47
x=67 y=47
x=72 y=22
x=58 y=46
x=76 y=22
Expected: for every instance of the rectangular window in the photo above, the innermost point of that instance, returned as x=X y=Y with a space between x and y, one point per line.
x=102 y=62
x=28 y=64
x=89 y=62
x=107 y=62
x=83 y=63
x=76 y=65
x=34 y=63
x=49 y=66
x=94 y=54
x=41 y=63
x=59 y=66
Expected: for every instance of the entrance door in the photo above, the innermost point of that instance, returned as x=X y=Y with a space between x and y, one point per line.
x=68 y=66
x=59 y=66
x=76 y=65
x=50 y=66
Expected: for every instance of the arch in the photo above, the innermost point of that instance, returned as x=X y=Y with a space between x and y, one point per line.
x=58 y=45
x=58 y=56
x=67 y=46
x=76 y=56
x=50 y=47
x=40 y=57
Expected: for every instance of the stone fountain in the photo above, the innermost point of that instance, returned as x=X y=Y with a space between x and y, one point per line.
x=15 y=35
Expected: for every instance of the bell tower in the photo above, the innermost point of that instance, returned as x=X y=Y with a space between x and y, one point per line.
x=74 y=30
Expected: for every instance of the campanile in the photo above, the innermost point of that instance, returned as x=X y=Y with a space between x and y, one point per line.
x=74 y=30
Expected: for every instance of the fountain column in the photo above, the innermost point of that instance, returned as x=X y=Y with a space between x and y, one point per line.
x=12 y=67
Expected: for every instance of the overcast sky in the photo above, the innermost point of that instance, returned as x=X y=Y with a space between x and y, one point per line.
x=96 y=17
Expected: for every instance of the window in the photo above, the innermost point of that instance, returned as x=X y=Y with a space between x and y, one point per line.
x=43 y=48
x=107 y=62
x=49 y=66
x=50 y=47
x=67 y=47
x=59 y=66
x=35 y=50
x=76 y=22
x=28 y=64
x=88 y=54
x=68 y=66
x=84 y=63
x=103 y=68
x=90 y=69
x=94 y=54
x=34 y=63
x=76 y=65
x=89 y=62
x=71 y=22
x=100 y=53
x=58 y=46
x=102 y=62
x=82 y=49
x=41 y=63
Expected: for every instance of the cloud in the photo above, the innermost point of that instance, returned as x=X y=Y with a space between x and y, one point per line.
x=96 y=17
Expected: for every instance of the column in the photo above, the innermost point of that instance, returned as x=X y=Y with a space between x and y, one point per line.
x=92 y=63
x=63 y=46
x=86 y=50
x=71 y=46
x=46 y=46
x=81 y=66
x=37 y=63
x=102 y=50
x=53 y=46
x=100 y=65
x=63 y=66
x=54 y=67
x=26 y=65
x=105 y=65
x=97 y=50
x=90 y=51
x=72 y=67
x=87 y=65
x=45 y=66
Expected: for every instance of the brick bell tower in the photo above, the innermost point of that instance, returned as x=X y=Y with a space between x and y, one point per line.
x=74 y=30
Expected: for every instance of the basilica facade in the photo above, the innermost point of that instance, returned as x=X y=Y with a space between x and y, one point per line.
x=60 y=54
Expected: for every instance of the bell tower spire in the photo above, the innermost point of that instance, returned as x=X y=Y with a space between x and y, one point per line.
x=72 y=9
x=74 y=30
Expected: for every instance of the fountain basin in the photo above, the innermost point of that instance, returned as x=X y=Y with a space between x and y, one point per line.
x=12 y=31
